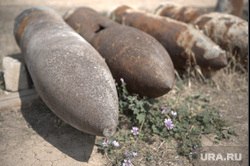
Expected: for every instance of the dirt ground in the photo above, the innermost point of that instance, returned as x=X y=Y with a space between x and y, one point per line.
x=33 y=136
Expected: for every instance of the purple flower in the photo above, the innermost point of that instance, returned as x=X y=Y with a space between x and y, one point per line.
x=134 y=154
x=122 y=80
x=173 y=113
x=169 y=124
x=150 y=105
x=196 y=147
x=135 y=130
x=126 y=154
x=192 y=153
x=127 y=162
x=116 y=144
x=106 y=143
x=220 y=115
x=164 y=109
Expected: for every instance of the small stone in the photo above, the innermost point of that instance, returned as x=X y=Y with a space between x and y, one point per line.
x=16 y=76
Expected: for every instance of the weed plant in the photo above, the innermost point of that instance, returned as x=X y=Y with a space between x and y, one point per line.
x=185 y=122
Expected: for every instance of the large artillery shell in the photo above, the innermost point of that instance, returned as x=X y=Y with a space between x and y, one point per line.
x=69 y=74
x=234 y=7
x=182 y=41
x=130 y=54
x=228 y=31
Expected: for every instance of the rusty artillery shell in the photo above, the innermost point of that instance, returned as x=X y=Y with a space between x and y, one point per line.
x=68 y=73
x=228 y=31
x=182 y=41
x=130 y=54
x=234 y=7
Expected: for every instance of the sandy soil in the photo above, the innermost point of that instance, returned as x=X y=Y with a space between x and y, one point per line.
x=33 y=136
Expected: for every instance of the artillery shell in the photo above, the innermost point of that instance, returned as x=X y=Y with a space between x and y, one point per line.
x=130 y=54
x=234 y=7
x=182 y=41
x=228 y=31
x=69 y=74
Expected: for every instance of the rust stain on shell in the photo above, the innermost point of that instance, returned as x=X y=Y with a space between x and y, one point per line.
x=130 y=54
x=184 y=14
x=237 y=7
x=203 y=21
x=69 y=74
x=226 y=30
x=182 y=41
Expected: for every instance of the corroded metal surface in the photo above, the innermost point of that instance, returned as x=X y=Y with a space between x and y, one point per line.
x=234 y=7
x=182 y=41
x=178 y=12
x=69 y=74
x=130 y=54
x=228 y=31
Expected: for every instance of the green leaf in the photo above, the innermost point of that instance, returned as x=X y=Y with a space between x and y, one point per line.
x=177 y=136
x=155 y=130
x=155 y=106
x=99 y=142
x=110 y=154
x=135 y=111
x=140 y=117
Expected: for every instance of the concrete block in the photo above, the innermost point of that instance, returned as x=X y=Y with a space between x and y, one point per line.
x=16 y=76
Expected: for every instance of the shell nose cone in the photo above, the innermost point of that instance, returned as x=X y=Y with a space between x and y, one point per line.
x=109 y=131
x=160 y=74
x=169 y=82
x=163 y=72
x=219 y=62
x=223 y=60
x=157 y=80
x=165 y=81
x=154 y=86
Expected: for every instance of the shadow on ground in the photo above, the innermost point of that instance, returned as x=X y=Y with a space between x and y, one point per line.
x=68 y=140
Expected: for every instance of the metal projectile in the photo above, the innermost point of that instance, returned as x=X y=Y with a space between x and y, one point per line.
x=182 y=41
x=130 y=54
x=234 y=7
x=68 y=73
x=228 y=31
